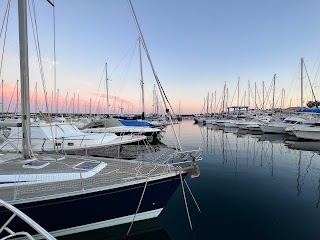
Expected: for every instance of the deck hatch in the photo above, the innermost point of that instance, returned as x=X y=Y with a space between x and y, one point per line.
x=35 y=164
x=87 y=165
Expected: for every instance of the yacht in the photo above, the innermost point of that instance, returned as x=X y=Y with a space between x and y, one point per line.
x=231 y=123
x=65 y=137
x=254 y=123
x=114 y=126
x=280 y=127
x=310 y=132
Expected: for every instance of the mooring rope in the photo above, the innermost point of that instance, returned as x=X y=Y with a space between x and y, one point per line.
x=185 y=201
x=192 y=195
x=142 y=195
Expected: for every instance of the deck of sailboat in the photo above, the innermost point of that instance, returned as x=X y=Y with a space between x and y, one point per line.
x=117 y=172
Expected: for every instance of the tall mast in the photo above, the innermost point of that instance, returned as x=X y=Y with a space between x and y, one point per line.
x=227 y=90
x=263 y=95
x=211 y=103
x=24 y=79
x=301 y=83
x=107 y=89
x=208 y=104
x=215 y=100
x=78 y=105
x=66 y=110
x=249 y=94
x=141 y=80
x=154 y=99
x=274 y=88
x=162 y=93
x=51 y=111
x=74 y=99
x=36 y=100
x=238 y=91
x=17 y=106
x=148 y=56
x=255 y=95
x=224 y=97
x=2 y=97
x=57 y=100
x=284 y=97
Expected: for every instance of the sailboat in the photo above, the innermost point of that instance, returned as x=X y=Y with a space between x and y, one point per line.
x=65 y=137
x=71 y=194
x=112 y=125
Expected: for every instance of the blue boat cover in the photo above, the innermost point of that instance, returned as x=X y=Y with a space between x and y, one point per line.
x=311 y=110
x=136 y=123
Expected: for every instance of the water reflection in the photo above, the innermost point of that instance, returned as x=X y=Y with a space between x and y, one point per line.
x=256 y=184
x=301 y=177
x=254 y=181
x=313 y=146
x=230 y=130
x=275 y=152
x=148 y=229
x=279 y=138
x=317 y=205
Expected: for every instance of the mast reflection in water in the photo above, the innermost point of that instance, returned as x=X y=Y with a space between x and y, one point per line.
x=252 y=186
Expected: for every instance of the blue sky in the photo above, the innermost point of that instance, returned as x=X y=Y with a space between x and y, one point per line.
x=195 y=46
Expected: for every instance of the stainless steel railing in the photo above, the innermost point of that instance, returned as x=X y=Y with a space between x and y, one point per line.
x=17 y=213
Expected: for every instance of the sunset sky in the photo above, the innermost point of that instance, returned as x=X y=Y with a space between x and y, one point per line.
x=195 y=46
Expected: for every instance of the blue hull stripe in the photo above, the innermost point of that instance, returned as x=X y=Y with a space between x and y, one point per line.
x=73 y=211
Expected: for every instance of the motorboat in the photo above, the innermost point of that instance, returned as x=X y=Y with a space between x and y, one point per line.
x=64 y=137
x=114 y=126
x=280 y=127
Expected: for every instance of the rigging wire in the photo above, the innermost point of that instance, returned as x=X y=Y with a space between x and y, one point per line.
x=11 y=98
x=234 y=93
x=132 y=49
x=119 y=87
x=126 y=70
x=95 y=100
x=5 y=19
x=37 y=45
x=54 y=54
x=267 y=98
x=163 y=94
x=38 y=51
x=296 y=82
x=314 y=96
x=17 y=105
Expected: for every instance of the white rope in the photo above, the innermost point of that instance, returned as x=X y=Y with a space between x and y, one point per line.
x=144 y=189
x=185 y=201
x=192 y=195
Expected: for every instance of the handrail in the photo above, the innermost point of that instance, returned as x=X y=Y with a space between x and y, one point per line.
x=26 y=219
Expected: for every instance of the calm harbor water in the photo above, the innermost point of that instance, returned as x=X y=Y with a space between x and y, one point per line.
x=252 y=186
